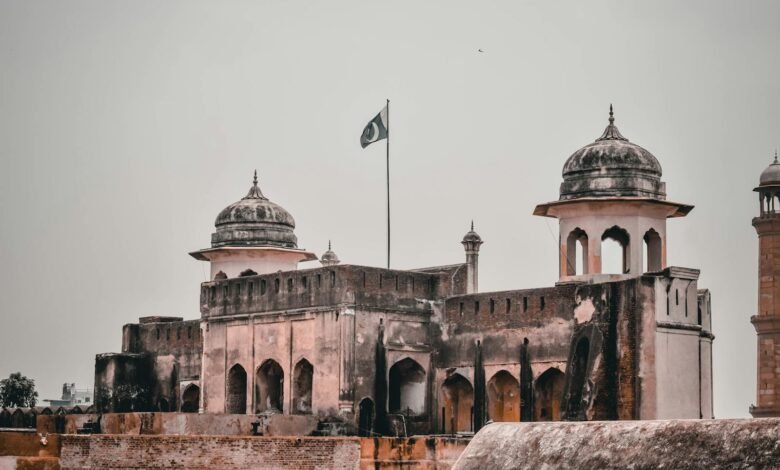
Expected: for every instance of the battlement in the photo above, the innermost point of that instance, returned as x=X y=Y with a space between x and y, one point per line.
x=511 y=308
x=403 y=290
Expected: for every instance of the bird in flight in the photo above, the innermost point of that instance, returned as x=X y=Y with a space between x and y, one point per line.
x=480 y=50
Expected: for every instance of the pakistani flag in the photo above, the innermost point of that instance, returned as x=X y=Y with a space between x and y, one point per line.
x=375 y=130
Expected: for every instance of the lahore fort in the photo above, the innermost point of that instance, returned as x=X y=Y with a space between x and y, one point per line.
x=351 y=366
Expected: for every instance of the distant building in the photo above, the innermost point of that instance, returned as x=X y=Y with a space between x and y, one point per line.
x=424 y=349
x=72 y=396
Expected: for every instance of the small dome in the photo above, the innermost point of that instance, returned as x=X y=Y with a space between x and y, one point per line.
x=771 y=175
x=329 y=258
x=472 y=236
x=254 y=221
x=612 y=167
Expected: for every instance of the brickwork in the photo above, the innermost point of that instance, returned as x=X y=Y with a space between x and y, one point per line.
x=767 y=320
x=113 y=452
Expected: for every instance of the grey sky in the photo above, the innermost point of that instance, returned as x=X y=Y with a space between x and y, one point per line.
x=126 y=126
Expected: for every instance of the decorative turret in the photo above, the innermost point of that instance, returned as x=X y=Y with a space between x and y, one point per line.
x=767 y=320
x=329 y=258
x=253 y=236
x=471 y=242
x=611 y=189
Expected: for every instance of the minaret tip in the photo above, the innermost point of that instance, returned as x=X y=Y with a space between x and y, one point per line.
x=254 y=180
x=611 y=114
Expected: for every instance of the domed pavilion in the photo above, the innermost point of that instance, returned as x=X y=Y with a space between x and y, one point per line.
x=253 y=236
x=612 y=189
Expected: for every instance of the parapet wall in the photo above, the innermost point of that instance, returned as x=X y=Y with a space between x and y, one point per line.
x=739 y=443
x=334 y=285
x=511 y=308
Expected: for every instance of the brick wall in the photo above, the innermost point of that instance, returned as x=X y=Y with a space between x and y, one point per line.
x=207 y=452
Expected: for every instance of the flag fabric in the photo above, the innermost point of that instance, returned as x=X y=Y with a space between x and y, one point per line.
x=375 y=130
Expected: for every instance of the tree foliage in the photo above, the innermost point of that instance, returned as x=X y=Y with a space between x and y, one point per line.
x=17 y=391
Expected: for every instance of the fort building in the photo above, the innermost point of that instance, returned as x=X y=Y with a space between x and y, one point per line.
x=420 y=351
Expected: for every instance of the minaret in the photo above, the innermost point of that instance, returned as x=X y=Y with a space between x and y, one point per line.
x=471 y=242
x=329 y=258
x=767 y=319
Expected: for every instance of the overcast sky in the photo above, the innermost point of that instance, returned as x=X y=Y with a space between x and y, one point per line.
x=125 y=127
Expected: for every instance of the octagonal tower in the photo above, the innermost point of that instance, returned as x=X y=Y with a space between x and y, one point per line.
x=611 y=189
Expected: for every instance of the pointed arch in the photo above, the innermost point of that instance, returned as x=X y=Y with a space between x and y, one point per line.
x=303 y=378
x=548 y=393
x=577 y=252
x=269 y=388
x=503 y=397
x=235 y=402
x=653 y=251
x=407 y=387
x=190 y=399
x=367 y=412
x=615 y=251
x=457 y=400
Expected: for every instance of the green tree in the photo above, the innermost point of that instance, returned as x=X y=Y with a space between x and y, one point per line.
x=17 y=390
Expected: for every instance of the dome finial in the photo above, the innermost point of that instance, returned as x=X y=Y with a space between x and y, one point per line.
x=776 y=156
x=254 y=191
x=329 y=245
x=472 y=225
x=611 y=132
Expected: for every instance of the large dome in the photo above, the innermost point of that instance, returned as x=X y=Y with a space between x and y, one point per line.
x=771 y=176
x=254 y=221
x=612 y=167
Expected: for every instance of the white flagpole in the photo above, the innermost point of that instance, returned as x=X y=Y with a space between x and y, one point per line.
x=388 y=184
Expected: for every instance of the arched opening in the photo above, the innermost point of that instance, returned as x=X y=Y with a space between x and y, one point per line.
x=615 y=251
x=503 y=397
x=548 y=395
x=577 y=252
x=236 y=391
x=162 y=405
x=5 y=418
x=579 y=368
x=407 y=387
x=17 y=418
x=269 y=395
x=247 y=272
x=366 y=417
x=652 y=260
x=190 y=399
x=303 y=375
x=220 y=276
x=457 y=396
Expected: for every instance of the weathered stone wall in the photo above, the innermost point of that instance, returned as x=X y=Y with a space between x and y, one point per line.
x=25 y=450
x=110 y=452
x=416 y=453
x=189 y=424
x=679 y=444
x=327 y=287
